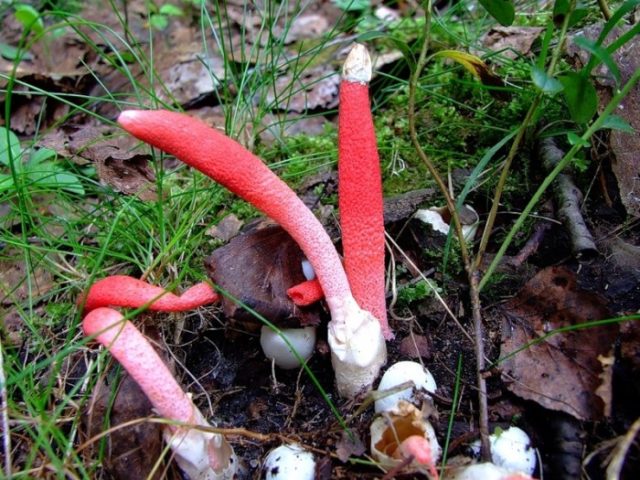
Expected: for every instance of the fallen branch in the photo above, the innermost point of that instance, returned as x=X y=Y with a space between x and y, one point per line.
x=569 y=200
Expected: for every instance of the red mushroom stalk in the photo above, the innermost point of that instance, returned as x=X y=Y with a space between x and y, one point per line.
x=200 y=454
x=355 y=336
x=125 y=291
x=360 y=188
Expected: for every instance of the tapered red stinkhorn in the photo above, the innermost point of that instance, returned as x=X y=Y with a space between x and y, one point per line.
x=360 y=188
x=125 y=291
x=202 y=455
x=355 y=336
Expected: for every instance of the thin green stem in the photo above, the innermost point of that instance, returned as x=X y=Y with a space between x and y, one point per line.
x=413 y=84
x=613 y=104
x=515 y=146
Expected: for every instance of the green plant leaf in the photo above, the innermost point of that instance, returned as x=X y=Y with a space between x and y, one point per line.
x=544 y=82
x=29 y=17
x=6 y=182
x=352 y=5
x=577 y=15
x=9 y=143
x=625 y=8
x=580 y=95
x=575 y=139
x=12 y=53
x=171 y=10
x=40 y=155
x=600 y=53
x=561 y=9
x=501 y=10
x=615 y=122
x=159 y=22
x=49 y=175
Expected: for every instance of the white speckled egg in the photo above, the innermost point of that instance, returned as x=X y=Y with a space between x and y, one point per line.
x=288 y=462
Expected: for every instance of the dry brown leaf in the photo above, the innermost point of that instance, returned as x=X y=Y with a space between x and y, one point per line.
x=511 y=41
x=301 y=91
x=630 y=344
x=118 y=159
x=564 y=371
x=415 y=346
x=14 y=286
x=257 y=268
x=349 y=446
x=133 y=450
x=226 y=229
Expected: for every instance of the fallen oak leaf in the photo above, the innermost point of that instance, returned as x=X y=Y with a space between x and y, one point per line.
x=563 y=371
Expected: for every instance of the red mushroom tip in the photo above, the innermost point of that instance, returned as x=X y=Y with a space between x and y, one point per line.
x=306 y=293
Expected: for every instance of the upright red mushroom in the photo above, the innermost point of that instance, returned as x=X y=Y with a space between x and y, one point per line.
x=360 y=188
x=199 y=453
x=355 y=336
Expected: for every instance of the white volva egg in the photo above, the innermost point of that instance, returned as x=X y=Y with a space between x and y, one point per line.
x=275 y=348
x=398 y=374
x=288 y=462
x=511 y=449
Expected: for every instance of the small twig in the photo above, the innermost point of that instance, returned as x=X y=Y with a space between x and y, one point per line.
x=483 y=406
x=604 y=8
x=532 y=244
x=620 y=452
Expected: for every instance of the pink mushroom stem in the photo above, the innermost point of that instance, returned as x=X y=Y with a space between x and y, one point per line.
x=360 y=189
x=197 y=452
x=356 y=364
x=129 y=292
x=420 y=449
x=231 y=165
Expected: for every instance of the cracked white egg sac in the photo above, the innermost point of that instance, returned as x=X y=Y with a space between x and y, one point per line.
x=393 y=430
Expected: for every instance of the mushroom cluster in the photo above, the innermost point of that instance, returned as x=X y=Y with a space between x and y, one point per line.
x=355 y=297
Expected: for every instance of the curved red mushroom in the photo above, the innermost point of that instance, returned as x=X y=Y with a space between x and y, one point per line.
x=355 y=337
x=200 y=454
x=360 y=188
x=125 y=291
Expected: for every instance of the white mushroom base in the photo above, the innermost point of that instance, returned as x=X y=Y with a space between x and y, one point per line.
x=358 y=349
x=201 y=455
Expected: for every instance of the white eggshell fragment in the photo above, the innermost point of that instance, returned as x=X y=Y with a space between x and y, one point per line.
x=389 y=431
x=511 y=449
x=434 y=217
x=398 y=374
x=288 y=462
x=275 y=348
